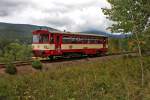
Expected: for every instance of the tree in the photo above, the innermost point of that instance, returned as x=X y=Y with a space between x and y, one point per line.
x=15 y=52
x=3 y=43
x=130 y=16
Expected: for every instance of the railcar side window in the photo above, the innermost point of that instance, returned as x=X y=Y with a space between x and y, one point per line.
x=74 y=39
x=66 y=39
x=92 y=40
x=83 y=39
x=44 y=38
x=79 y=40
x=101 y=40
x=52 y=39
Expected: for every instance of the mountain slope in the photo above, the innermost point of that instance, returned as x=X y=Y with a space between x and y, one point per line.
x=21 y=32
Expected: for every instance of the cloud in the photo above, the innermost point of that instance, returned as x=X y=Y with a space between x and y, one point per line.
x=71 y=15
x=8 y=7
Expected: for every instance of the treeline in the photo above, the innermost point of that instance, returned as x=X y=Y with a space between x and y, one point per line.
x=11 y=50
x=129 y=44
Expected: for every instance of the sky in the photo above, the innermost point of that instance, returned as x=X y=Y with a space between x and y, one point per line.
x=70 y=15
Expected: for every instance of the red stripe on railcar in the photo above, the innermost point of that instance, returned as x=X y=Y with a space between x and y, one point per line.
x=56 y=38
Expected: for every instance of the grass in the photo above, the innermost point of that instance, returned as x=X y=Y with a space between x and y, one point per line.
x=109 y=80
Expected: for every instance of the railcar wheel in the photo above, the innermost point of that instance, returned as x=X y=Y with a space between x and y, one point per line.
x=51 y=58
x=98 y=54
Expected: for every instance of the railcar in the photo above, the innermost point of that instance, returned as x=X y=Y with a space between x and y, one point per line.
x=50 y=44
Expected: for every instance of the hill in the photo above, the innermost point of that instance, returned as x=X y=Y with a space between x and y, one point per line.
x=21 y=32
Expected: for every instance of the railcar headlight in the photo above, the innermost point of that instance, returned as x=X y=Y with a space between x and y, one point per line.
x=46 y=47
x=32 y=46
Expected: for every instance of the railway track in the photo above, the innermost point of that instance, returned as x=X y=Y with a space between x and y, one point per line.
x=60 y=59
x=17 y=63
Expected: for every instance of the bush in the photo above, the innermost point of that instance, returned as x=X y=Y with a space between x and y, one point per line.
x=10 y=68
x=37 y=64
x=15 y=52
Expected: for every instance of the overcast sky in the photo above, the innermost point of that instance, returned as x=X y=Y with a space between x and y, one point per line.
x=71 y=15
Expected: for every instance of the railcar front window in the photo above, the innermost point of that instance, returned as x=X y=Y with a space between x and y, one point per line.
x=41 y=38
x=35 y=38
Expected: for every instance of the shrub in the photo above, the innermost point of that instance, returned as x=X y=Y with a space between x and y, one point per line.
x=10 y=68
x=15 y=52
x=37 y=64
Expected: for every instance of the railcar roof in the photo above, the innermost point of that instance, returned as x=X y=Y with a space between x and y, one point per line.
x=75 y=33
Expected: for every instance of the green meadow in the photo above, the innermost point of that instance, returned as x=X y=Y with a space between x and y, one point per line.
x=113 y=79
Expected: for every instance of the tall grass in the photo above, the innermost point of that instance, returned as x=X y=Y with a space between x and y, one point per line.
x=109 y=80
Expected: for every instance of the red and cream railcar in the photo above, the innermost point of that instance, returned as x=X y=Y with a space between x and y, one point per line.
x=49 y=44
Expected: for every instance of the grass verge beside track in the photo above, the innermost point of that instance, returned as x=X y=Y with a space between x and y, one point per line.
x=116 y=79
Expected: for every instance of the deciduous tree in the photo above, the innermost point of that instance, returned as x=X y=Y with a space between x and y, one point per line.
x=130 y=16
x=15 y=52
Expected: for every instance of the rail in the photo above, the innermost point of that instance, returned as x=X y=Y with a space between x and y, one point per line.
x=17 y=63
x=29 y=62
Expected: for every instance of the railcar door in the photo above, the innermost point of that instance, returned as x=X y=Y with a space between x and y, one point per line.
x=58 y=43
x=105 y=42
